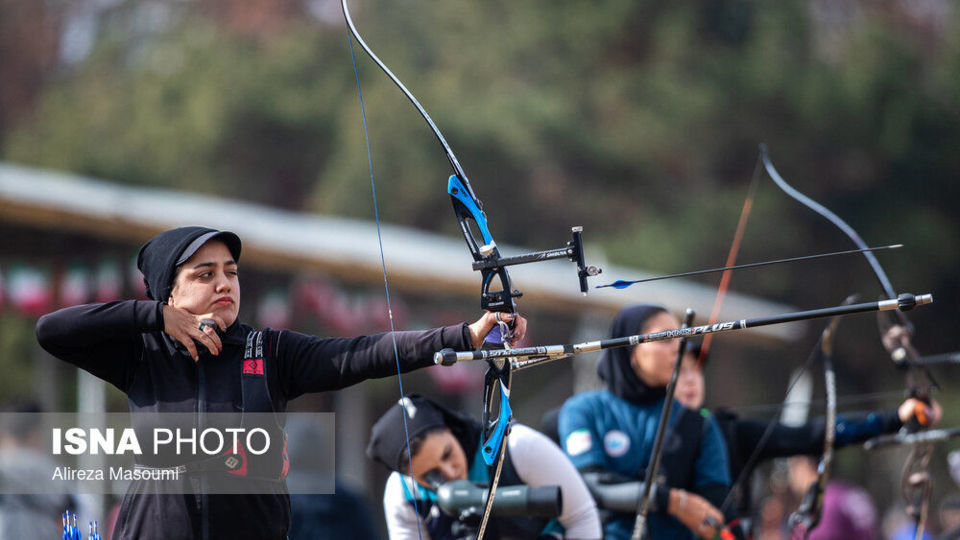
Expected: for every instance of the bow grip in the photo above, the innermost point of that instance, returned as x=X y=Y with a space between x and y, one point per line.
x=495 y=338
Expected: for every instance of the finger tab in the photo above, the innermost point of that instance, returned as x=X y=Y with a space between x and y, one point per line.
x=920 y=411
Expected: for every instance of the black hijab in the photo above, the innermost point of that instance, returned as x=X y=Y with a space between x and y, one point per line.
x=159 y=258
x=388 y=439
x=615 y=368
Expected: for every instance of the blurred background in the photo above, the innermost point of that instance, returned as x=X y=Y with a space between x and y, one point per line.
x=639 y=120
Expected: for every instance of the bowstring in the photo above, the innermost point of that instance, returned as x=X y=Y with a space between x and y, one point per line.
x=386 y=284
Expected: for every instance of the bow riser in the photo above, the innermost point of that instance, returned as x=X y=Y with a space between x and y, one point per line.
x=498 y=428
x=493 y=443
x=810 y=511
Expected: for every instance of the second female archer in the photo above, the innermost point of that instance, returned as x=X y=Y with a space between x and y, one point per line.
x=612 y=432
x=444 y=446
x=186 y=351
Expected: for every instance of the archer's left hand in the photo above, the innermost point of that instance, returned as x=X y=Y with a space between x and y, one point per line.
x=926 y=415
x=483 y=326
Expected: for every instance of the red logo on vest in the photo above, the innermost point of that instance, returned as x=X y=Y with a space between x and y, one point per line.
x=253 y=367
x=236 y=462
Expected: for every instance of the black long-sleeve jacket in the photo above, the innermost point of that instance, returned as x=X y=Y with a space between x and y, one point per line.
x=124 y=344
x=744 y=437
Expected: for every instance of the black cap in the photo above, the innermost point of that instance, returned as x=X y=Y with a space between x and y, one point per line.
x=388 y=438
x=159 y=258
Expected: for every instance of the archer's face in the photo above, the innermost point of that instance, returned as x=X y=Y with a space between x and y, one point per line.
x=440 y=452
x=690 y=383
x=208 y=283
x=653 y=362
x=801 y=472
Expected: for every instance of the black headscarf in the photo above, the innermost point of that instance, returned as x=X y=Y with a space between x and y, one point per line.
x=388 y=439
x=159 y=258
x=615 y=368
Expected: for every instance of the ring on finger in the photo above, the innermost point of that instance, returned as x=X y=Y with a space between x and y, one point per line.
x=207 y=322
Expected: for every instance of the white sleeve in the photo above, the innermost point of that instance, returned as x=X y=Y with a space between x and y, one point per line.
x=402 y=520
x=540 y=462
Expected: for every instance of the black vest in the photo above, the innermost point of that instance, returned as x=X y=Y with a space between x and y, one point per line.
x=275 y=464
x=678 y=464
x=239 y=463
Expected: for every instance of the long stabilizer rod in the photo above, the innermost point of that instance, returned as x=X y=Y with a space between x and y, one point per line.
x=946 y=358
x=525 y=357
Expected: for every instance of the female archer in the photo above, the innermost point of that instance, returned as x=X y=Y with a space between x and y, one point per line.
x=444 y=446
x=609 y=434
x=186 y=351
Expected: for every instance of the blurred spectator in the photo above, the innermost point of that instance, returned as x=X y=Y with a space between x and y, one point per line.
x=773 y=515
x=907 y=531
x=950 y=516
x=897 y=525
x=848 y=511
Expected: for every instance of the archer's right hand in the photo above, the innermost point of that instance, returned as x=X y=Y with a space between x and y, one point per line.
x=190 y=329
x=695 y=512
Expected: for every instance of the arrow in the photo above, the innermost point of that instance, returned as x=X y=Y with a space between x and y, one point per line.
x=621 y=284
